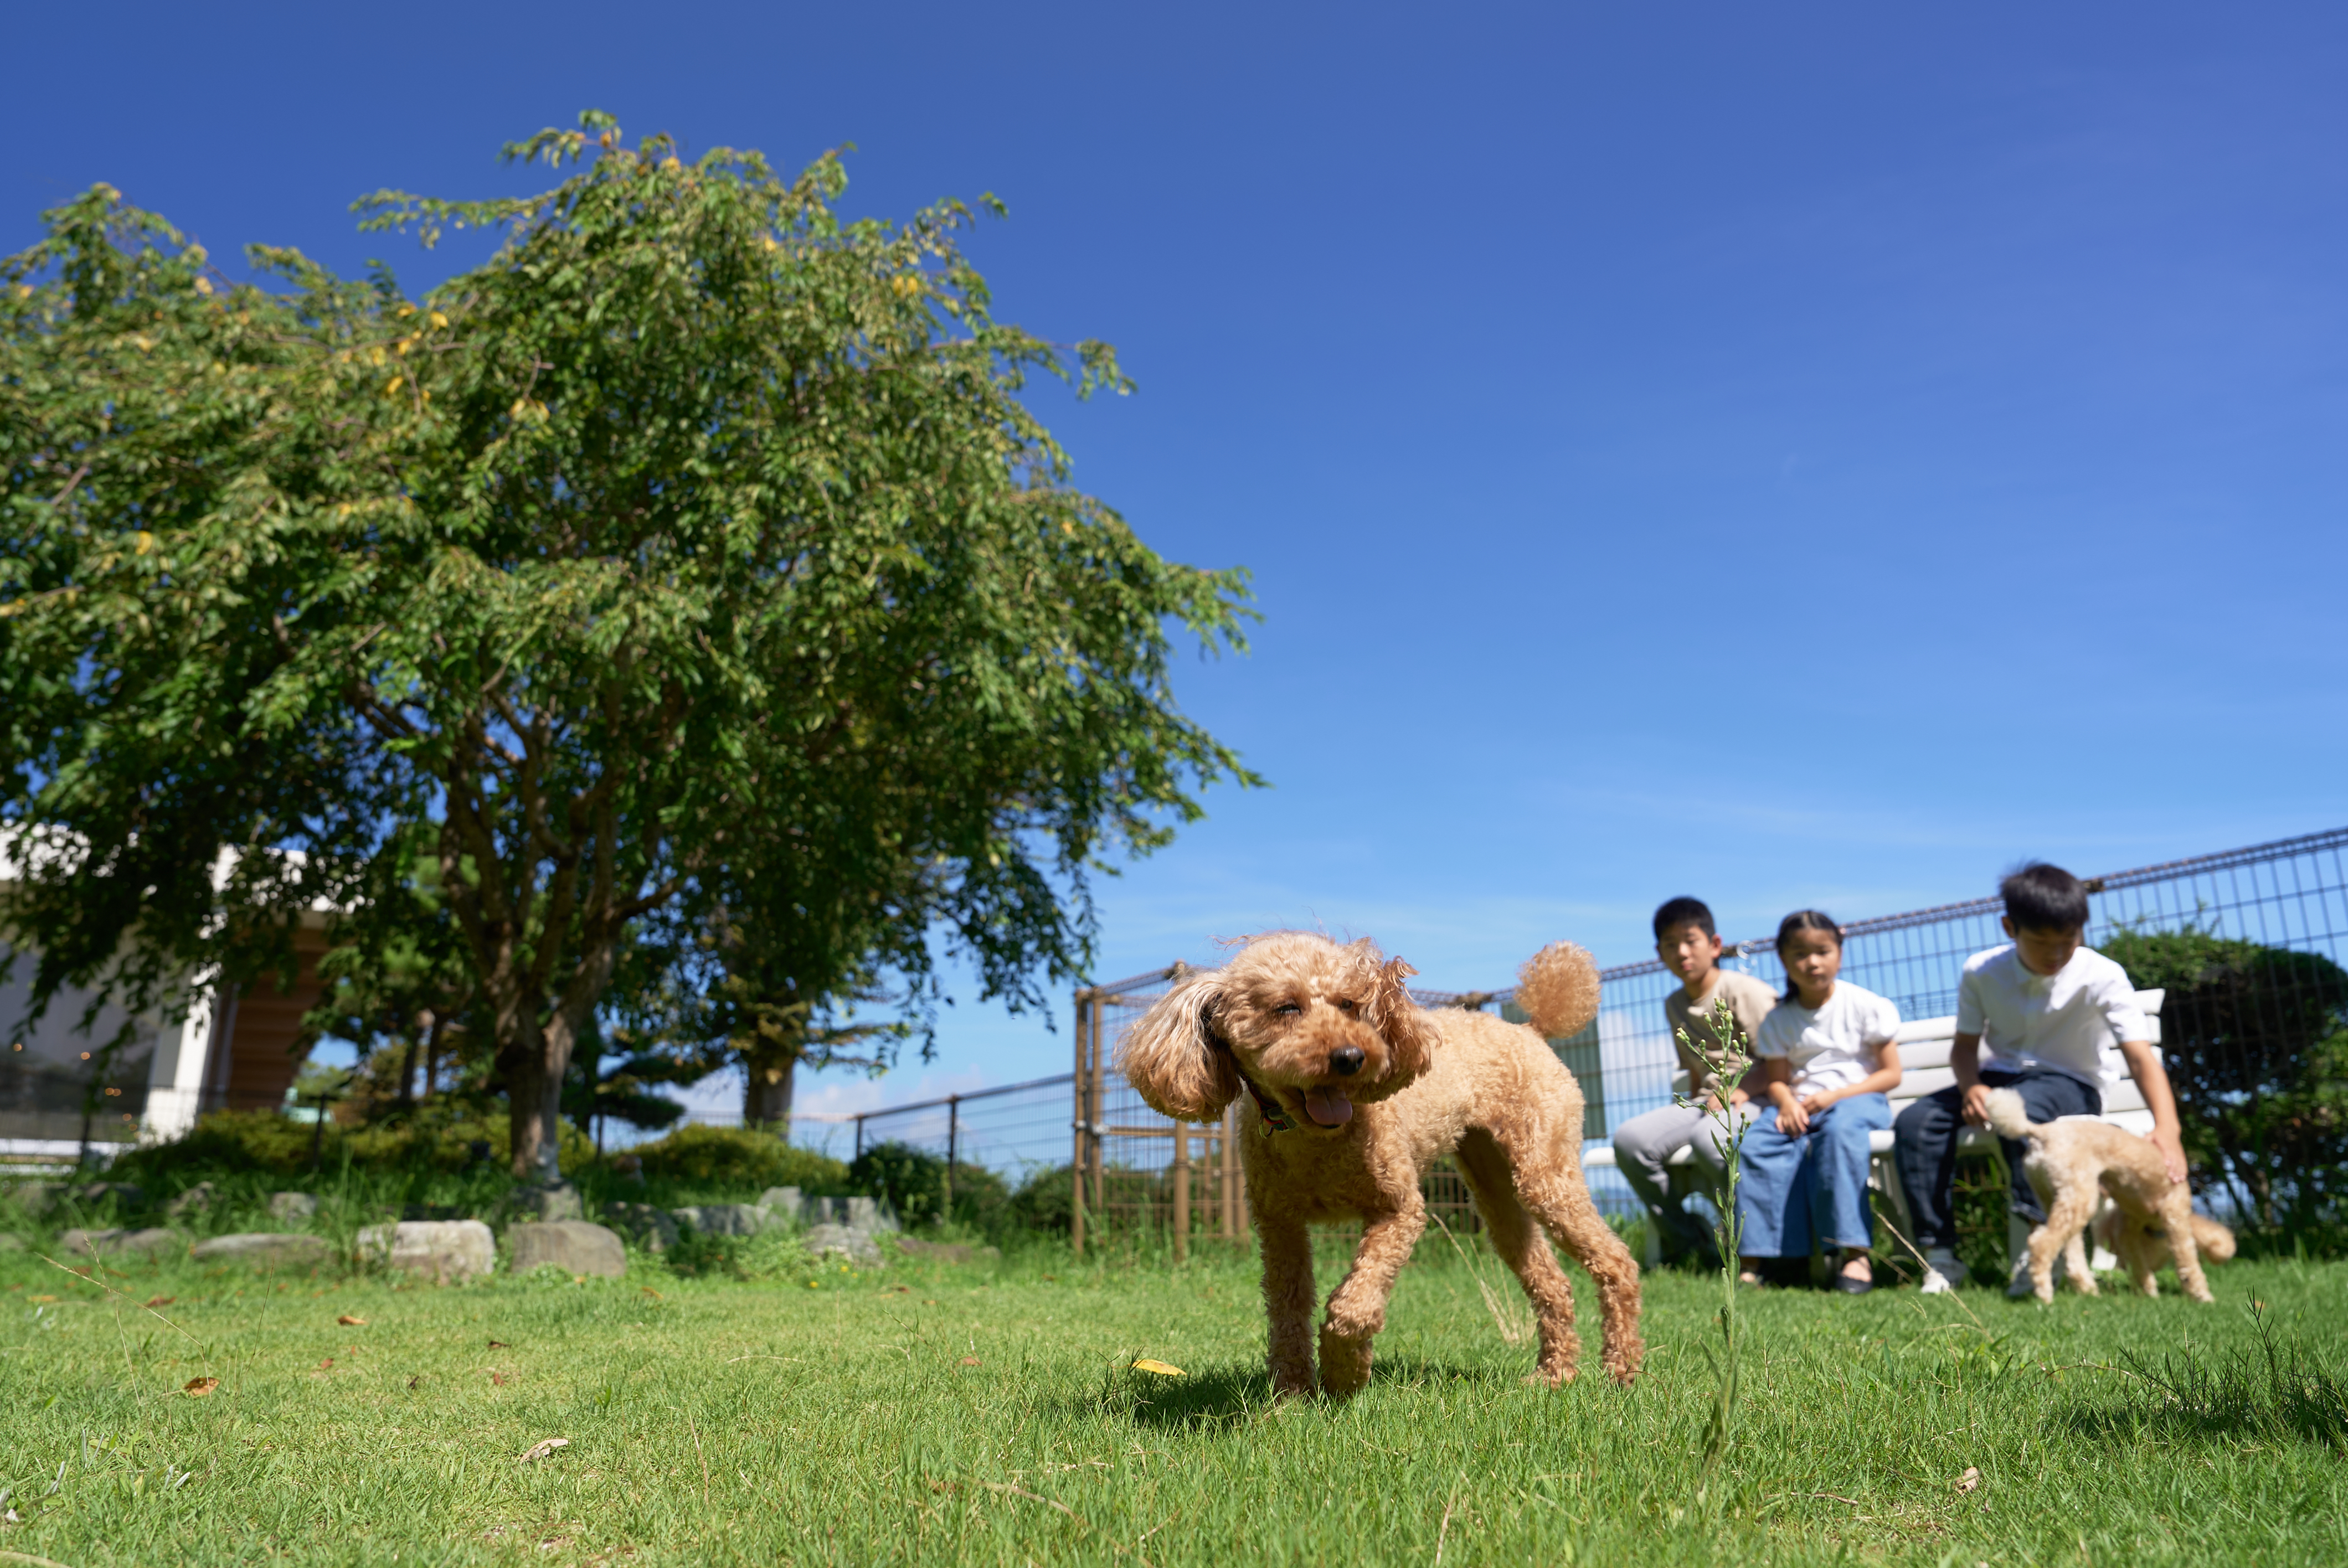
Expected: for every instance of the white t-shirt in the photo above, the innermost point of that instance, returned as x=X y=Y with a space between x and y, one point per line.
x=1834 y=1045
x=2071 y=1021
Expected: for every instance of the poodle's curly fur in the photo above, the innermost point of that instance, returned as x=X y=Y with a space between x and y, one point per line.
x=2141 y=1244
x=1376 y=1089
x=2074 y=1161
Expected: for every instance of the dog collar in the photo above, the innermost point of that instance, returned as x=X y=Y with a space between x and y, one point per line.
x=1274 y=1119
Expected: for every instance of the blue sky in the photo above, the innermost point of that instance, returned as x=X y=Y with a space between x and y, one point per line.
x=1811 y=456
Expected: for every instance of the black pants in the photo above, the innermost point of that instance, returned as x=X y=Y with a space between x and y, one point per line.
x=1925 y=1139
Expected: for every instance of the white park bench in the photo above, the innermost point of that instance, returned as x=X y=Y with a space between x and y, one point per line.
x=1924 y=1070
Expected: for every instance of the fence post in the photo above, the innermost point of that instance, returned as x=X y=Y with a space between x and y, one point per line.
x=859 y=1137
x=1077 y=1149
x=954 y=1137
x=1093 y=1113
x=1181 y=1190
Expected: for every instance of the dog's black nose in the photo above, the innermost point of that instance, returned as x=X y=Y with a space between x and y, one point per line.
x=1346 y=1061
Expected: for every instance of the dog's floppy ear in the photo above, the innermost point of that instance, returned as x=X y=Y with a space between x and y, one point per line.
x=1409 y=1035
x=1171 y=1055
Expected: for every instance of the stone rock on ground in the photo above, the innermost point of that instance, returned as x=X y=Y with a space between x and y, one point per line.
x=79 y=1243
x=654 y=1229
x=574 y=1246
x=194 y=1201
x=783 y=1203
x=723 y=1219
x=838 y=1239
x=945 y=1251
x=444 y=1251
x=130 y=1195
x=555 y=1203
x=865 y=1215
x=269 y=1249
x=292 y=1208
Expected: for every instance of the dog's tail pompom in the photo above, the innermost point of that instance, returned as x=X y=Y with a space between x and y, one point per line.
x=1558 y=989
x=2212 y=1240
x=2008 y=1116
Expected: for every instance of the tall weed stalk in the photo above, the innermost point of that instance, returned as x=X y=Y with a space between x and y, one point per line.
x=1727 y=1061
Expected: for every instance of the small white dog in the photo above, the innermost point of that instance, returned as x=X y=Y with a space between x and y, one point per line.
x=2071 y=1163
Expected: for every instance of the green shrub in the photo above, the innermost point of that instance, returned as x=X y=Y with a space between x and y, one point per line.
x=231 y=1142
x=739 y=1159
x=771 y=1254
x=908 y=1180
x=1046 y=1201
x=2256 y=1040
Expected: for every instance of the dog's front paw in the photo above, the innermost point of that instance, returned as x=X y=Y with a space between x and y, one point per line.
x=1345 y=1365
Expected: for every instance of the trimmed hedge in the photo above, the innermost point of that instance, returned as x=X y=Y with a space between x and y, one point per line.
x=739 y=1158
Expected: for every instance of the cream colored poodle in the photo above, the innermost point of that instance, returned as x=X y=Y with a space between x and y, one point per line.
x=1353 y=1091
x=2071 y=1163
x=2141 y=1244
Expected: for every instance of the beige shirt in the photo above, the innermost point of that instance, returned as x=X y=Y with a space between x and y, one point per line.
x=1749 y=1001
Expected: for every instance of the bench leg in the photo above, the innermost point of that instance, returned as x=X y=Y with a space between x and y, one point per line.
x=1883 y=1176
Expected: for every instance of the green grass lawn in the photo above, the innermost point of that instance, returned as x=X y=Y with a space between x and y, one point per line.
x=988 y=1413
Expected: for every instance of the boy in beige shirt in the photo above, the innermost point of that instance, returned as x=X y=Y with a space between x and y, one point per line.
x=1689 y=945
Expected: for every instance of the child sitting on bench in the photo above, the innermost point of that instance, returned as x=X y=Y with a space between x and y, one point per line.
x=2058 y=1021
x=1831 y=1054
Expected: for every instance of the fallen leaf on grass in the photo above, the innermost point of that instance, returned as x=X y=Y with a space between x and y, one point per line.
x=576 y=1279
x=348 y=1321
x=40 y=1298
x=197 y=1387
x=970 y=1360
x=1969 y=1480
x=412 y=1382
x=499 y=1379
x=500 y=1345
x=544 y=1447
x=155 y=1301
x=648 y=1290
x=326 y=1363
x=1160 y=1367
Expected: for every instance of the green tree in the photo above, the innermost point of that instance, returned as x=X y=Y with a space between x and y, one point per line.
x=695 y=528
x=2256 y=1042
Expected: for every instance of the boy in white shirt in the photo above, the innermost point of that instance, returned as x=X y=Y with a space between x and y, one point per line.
x=1690 y=946
x=2052 y=1020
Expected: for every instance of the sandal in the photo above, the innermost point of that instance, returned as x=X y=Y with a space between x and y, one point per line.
x=1851 y=1286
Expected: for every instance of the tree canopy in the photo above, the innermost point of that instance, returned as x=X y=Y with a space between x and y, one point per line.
x=690 y=576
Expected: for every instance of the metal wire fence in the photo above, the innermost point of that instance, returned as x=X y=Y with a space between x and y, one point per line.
x=2248 y=943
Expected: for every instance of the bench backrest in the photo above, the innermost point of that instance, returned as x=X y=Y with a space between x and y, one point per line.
x=1924 y=1057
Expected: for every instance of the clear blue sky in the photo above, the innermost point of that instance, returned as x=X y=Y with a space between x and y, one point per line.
x=1810 y=455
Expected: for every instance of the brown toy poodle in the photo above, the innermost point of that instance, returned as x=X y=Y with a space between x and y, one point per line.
x=1353 y=1090
x=2071 y=1163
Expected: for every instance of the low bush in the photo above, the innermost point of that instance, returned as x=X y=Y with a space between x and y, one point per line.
x=234 y=1142
x=908 y=1180
x=738 y=1159
x=771 y=1254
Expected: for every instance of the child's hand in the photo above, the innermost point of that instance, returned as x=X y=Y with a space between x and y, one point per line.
x=1792 y=1117
x=1977 y=1104
x=2172 y=1151
x=1817 y=1101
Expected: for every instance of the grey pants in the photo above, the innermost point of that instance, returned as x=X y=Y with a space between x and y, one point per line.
x=1643 y=1147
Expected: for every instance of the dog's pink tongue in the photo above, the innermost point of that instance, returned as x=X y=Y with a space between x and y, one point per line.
x=1328 y=1107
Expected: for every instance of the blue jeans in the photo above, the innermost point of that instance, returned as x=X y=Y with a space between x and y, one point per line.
x=1793 y=1189
x=1928 y=1132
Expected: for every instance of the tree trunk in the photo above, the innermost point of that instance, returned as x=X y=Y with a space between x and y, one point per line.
x=768 y=1082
